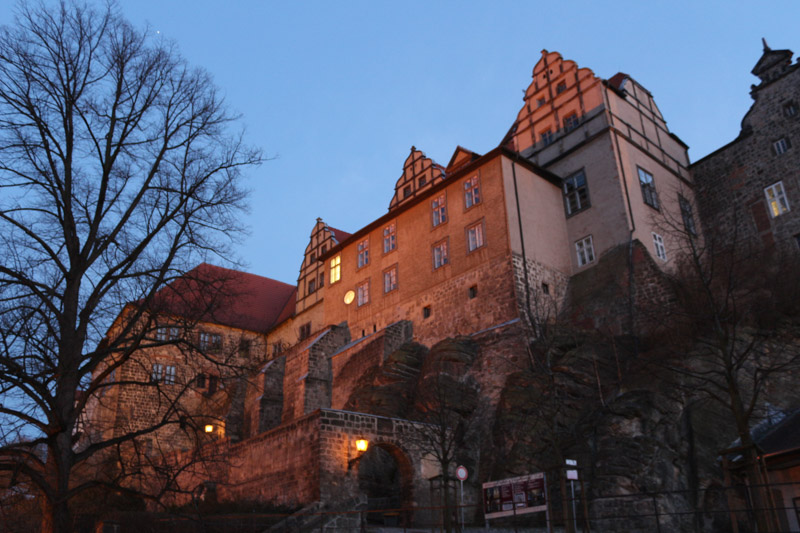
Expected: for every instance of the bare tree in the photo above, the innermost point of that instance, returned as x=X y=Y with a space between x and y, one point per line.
x=733 y=335
x=118 y=171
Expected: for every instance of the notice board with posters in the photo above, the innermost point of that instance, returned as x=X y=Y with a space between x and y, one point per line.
x=516 y=495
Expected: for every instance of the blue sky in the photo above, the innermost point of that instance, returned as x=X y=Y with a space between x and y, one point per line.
x=338 y=92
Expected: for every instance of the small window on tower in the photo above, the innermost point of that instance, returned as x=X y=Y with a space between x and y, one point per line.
x=426 y=311
x=473 y=291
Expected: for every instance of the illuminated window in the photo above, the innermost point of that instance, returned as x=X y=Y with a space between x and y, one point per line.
x=472 y=192
x=475 y=237
x=658 y=244
x=169 y=375
x=781 y=146
x=336 y=269
x=776 y=198
x=390 y=279
x=439 y=208
x=363 y=253
x=576 y=193
x=585 y=250
x=649 y=194
x=440 y=254
x=687 y=215
x=389 y=238
x=362 y=293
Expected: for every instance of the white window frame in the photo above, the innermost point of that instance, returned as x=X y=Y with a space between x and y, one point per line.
x=439 y=210
x=658 y=244
x=572 y=188
x=781 y=146
x=362 y=293
x=389 y=238
x=475 y=237
x=440 y=254
x=336 y=269
x=776 y=199
x=585 y=250
x=170 y=374
x=648 y=186
x=390 y=280
x=472 y=192
x=156 y=372
x=363 y=253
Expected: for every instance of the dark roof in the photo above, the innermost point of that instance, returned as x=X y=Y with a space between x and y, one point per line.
x=783 y=437
x=616 y=80
x=338 y=234
x=209 y=293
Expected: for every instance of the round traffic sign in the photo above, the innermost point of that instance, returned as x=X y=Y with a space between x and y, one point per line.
x=461 y=473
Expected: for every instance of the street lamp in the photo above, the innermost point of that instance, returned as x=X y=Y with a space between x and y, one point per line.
x=361 y=447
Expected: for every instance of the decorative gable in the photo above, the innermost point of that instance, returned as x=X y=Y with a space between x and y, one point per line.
x=419 y=174
x=772 y=63
x=461 y=157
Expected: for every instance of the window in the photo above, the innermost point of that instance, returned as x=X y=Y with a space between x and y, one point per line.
x=776 y=198
x=475 y=237
x=212 y=384
x=362 y=293
x=545 y=288
x=390 y=279
x=210 y=342
x=561 y=87
x=781 y=146
x=439 y=208
x=426 y=311
x=277 y=348
x=336 y=269
x=571 y=122
x=576 y=193
x=312 y=258
x=658 y=243
x=323 y=249
x=363 y=253
x=790 y=109
x=406 y=191
x=164 y=333
x=540 y=102
x=440 y=254
x=472 y=192
x=155 y=373
x=546 y=137
x=169 y=375
x=305 y=331
x=473 y=292
x=389 y=238
x=422 y=181
x=312 y=286
x=245 y=346
x=649 y=194
x=687 y=215
x=200 y=381
x=585 y=250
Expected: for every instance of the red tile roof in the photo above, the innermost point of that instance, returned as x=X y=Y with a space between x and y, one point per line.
x=209 y=293
x=339 y=235
x=617 y=79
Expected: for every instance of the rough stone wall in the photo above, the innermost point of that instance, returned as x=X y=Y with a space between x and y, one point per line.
x=731 y=181
x=534 y=303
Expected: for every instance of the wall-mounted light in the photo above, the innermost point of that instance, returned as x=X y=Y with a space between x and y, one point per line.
x=361 y=447
x=209 y=428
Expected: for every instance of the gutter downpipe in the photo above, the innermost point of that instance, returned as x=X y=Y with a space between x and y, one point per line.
x=524 y=256
x=614 y=141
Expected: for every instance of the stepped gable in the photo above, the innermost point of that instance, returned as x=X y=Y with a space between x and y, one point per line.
x=419 y=174
x=210 y=293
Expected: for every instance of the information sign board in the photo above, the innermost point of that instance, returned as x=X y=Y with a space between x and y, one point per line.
x=516 y=495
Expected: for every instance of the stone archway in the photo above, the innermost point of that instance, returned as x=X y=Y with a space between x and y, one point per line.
x=386 y=477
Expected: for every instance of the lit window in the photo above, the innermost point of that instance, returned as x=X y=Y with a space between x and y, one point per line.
x=362 y=293
x=658 y=244
x=781 y=146
x=211 y=342
x=390 y=279
x=472 y=192
x=155 y=373
x=169 y=375
x=439 y=208
x=776 y=198
x=440 y=254
x=576 y=193
x=475 y=236
x=585 y=250
x=336 y=269
x=649 y=194
x=546 y=137
x=363 y=253
x=687 y=215
x=389 y=238
x=571 y=122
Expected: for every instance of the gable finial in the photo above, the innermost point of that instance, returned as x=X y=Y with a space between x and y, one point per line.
x=766 y=46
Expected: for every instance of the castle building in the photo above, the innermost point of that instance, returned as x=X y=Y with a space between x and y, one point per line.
x=486 y=247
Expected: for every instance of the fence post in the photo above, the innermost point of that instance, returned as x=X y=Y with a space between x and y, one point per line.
x=655 y=508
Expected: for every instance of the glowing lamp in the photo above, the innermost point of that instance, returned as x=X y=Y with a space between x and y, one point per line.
x=361 y=445
x=209 y=428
